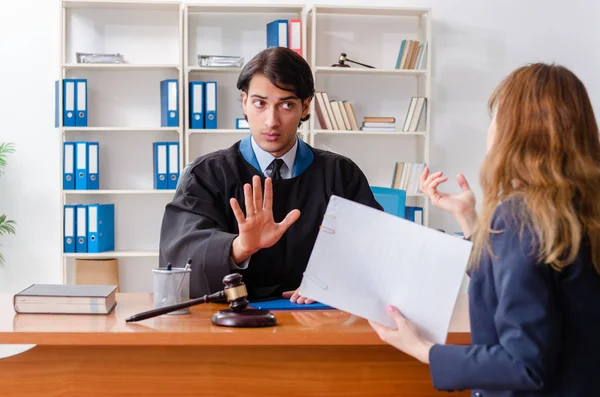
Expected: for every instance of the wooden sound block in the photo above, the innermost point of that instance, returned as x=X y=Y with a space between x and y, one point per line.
x=245 y=318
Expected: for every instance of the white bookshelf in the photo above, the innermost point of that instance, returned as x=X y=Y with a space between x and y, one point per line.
x=359 y=70
x=115 y=254
x=99 y=192
x=162 y=39
x=71 y=66
x=218 y=132
x=372 y=36
x=226 y=29
x=206 y=69
x=368 y=133
x=124 y=117
x=122 y=5
x=121 y=129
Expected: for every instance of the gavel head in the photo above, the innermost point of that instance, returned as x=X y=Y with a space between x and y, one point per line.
x=235 y=292
x=342 y=61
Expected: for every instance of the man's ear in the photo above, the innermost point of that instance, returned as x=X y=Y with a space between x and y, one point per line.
x=244 y=98
x=306 y=107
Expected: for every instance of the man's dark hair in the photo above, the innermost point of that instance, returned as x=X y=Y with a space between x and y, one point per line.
x=281 y=66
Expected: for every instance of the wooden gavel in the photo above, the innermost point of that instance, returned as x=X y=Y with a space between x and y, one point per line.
x=234 y=292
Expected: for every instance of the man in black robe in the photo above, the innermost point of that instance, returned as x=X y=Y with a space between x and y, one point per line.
x=270 y=242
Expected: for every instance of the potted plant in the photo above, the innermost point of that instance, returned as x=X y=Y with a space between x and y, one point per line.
x=6 y=226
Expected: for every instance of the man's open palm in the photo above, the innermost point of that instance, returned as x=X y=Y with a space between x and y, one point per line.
x=258 y=229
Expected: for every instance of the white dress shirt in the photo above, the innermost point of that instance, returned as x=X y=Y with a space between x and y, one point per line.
x=265 y=160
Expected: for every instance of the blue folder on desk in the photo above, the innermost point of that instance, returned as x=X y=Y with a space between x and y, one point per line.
x=285 y=304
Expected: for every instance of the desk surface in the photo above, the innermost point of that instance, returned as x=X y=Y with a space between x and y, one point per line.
x=321 y=327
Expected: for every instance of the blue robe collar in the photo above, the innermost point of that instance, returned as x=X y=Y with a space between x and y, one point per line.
x=304 y=155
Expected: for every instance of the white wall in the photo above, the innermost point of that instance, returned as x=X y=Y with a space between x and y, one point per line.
x=476 y=43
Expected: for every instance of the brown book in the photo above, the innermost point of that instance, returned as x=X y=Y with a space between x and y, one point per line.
x=351 y=115
x=405 y=54
x=406 y=61
x=397 y=175
x=337 y=112
x=413 y=51
x=330 y=111
x=66 y=299
x=345 y=116
x=322 y=115
x=379 y=120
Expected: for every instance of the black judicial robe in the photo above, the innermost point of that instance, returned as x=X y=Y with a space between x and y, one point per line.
x=199 y=222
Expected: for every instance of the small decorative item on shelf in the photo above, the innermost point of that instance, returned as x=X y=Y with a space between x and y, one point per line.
x=83 y=57
x=220 y=61
x=342 y=62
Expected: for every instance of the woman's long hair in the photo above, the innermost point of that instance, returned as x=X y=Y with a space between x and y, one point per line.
x=546 y=150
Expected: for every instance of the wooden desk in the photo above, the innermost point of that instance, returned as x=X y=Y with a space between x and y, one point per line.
x=310 y=353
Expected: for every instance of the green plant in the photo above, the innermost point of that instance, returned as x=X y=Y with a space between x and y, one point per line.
x=6 y=226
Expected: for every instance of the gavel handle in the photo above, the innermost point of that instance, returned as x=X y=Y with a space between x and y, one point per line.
x=167 y=309
x=361 y=64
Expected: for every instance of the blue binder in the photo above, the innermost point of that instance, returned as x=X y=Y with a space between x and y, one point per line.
x=69 y=100
x=81 y=165
x=241 y=124
x=196 y=105
x=169 y=103
x=93 y=166
x=101 y=227
x=277 y=33
x=81 y=107
x=210 y=109
x=69 y=165
x=56 y=115
x=81 y=232
x=173 y=159
x=285 y=304
x=160 y=160
x=69 y=223
x=414 y=214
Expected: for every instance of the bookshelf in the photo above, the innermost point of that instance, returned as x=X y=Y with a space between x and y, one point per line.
x=362 y=71
x=233 y=30
x=372 y=36
x=123 y=108
x=162 y=39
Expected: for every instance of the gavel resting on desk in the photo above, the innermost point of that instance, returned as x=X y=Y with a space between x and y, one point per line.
x=236 y=316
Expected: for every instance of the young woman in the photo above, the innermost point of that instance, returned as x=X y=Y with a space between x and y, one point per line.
x=535 y=267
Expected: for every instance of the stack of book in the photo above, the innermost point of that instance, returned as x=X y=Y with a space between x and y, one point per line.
x=407 y=177
x=414 y=114
x=411 y=54
x=379 y=124
x=335 y=114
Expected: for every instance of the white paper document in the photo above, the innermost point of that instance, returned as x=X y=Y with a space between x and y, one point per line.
x=365 y=259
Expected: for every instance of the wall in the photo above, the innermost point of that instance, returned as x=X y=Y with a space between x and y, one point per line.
x=475 y=44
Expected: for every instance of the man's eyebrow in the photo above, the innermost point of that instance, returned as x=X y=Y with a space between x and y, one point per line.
x=287 y=98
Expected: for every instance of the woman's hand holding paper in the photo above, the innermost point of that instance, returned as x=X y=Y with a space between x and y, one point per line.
x=405 y=337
